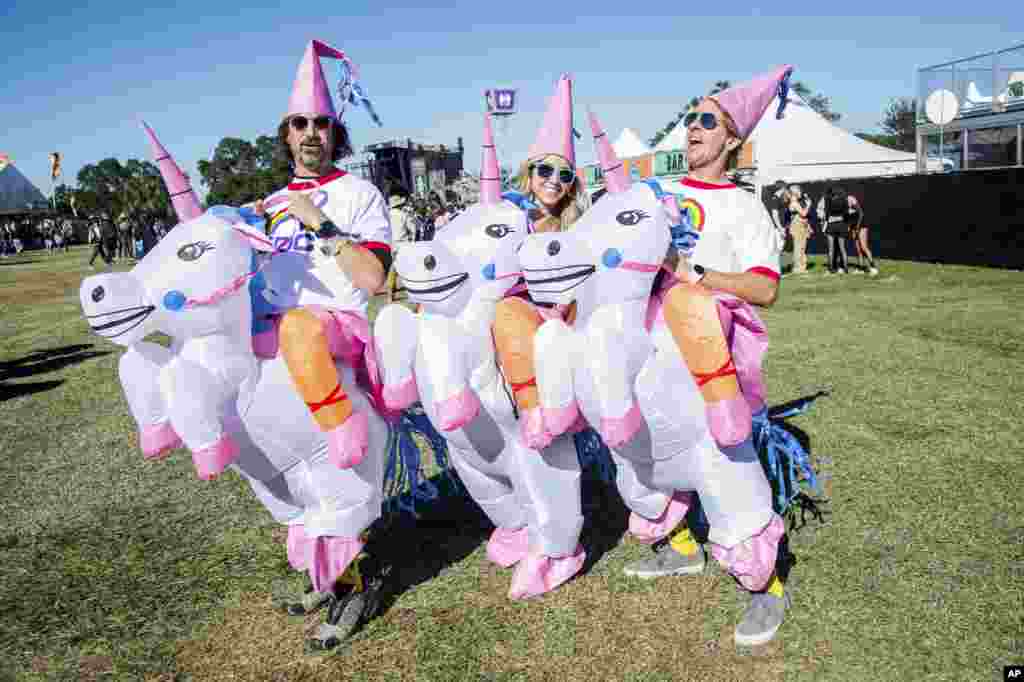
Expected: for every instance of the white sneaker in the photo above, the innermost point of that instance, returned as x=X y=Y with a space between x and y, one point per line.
x=873 y=272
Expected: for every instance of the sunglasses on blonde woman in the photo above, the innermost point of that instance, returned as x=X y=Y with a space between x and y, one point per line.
x=546 y=170
x=320 y=122
x=708 y=121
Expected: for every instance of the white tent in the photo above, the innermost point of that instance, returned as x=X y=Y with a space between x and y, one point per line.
x=629 y=145
x=803 y=146
x=676 y=139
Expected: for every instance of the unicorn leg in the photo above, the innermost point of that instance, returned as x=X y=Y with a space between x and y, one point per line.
x=554 y=357
x=196 y=402
x=397 y=333
x=551 y=482
x=447 y=355
x=306 y=351
x=139 y=369
x=692 y=317
x=615 y=353
x=497 y=498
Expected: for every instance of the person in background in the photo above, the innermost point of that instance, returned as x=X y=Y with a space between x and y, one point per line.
x=403 y=223
x=859 y=236
x=834 y=214
x=798 y=207
x=98 y=240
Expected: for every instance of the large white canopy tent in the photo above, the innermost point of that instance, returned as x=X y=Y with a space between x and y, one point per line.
x=629 y=145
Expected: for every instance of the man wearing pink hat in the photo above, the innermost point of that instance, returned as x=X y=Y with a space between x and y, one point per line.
x=332 y=240
x=735 y=254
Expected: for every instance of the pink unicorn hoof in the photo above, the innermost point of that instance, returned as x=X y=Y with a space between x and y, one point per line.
x=532 y=429
x=558 y=420
x=729 y=421
x=212 y=461
x=539 y=574
x=401 y=395
x=579 y=425
x=508 y=547
x=157 y=440
x=650 y=531
x=459 y=410
x=264 y=344
x=346 y=444
x=617 y=431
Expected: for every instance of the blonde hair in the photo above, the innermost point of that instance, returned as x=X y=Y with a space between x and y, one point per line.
x=732 y=160
x=575 y=202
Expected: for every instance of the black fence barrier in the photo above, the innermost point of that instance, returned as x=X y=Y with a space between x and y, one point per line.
x=967 y=218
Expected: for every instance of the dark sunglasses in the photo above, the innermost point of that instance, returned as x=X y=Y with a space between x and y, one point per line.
x=545 y=171
x=708 y=121
x=320 y=122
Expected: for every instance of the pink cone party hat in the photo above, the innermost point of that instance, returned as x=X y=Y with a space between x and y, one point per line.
x=184 y=200
x=490 y=176
x=747 y=102
x=310 y=94
x=556 y=135
x=615 y=179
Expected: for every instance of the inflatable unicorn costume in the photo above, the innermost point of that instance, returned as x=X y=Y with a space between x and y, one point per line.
x=444 y=356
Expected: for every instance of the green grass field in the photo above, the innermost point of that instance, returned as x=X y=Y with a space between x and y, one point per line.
x=112 y=567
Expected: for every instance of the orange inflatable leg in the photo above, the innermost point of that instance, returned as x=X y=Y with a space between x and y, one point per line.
x=305 y=351
x=515 y=323
x=692 y=317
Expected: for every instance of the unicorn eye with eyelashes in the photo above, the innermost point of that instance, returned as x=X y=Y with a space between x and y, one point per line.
x=191 y=252
x=631 y=217
x=498 y=231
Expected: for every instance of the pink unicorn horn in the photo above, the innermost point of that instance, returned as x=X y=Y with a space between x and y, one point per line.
x=615 y=179
x=184 y=200
x=490 y=176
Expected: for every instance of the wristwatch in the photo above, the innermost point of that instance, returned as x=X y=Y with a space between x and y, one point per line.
x=697 y=274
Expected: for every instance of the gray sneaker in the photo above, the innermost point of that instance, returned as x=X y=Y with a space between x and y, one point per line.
x=762 y=619
x=667 y=561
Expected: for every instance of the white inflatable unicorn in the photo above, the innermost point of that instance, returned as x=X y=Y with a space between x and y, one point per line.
x=636 y=383
x=211 y=392
x=444 y=356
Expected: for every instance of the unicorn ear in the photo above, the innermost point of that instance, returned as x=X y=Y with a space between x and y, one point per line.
x=256 y=239
x=244 y=222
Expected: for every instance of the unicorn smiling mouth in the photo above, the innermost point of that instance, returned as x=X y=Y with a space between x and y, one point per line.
x=129 y=318
x=447 y=287
x=571 y=275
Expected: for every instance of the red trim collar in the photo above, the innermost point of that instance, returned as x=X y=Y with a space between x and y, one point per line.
x=297 y=185
x=699 y=184
x=765 y=272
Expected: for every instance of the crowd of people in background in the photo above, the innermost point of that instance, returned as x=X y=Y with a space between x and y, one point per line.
x=417 y=218
x=837 y=216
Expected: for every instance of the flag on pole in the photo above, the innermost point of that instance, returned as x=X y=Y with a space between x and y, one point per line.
x=54 y=165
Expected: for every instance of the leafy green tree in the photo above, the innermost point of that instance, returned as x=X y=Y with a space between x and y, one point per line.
x=900 y=122
x=817 y=101
x=242 y=171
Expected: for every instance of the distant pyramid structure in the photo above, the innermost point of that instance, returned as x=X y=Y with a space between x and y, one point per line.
x=16 y=191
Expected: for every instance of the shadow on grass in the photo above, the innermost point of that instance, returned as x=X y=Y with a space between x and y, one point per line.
x=48 y=360
x=448 y=529
x=5 y=261
x=9 y=391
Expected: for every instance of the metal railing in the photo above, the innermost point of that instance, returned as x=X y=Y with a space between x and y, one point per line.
x=983 y=84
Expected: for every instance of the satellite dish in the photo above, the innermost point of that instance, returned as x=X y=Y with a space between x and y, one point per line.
x=941 y=107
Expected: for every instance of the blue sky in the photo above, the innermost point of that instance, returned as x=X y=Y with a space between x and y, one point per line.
x=77 y=79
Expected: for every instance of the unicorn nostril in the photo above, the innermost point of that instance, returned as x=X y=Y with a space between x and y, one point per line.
x=97 y=294
x=430 y=262
x=554 y=247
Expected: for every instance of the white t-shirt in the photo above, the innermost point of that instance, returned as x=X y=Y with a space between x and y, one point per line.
x=736 y=232
x=356 y=208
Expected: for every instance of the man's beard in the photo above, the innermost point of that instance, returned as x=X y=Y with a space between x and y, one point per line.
x=312 y=157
